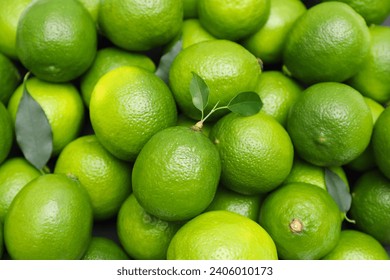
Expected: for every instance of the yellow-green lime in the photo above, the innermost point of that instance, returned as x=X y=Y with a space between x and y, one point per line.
x=371 y=205
x=373 y=11
x=62 y=52
x=49 y=219
x=233 y=20
x=62 y=105
x=366 y=160
x=6 y=132
x=330 y=124
x=304 y=221
x=193 y=32
x=137 y=25
x=356 y=245
x=176 y=174
x=373 y=77
x=328 y=43
x=10 y=78
x=128 y=106
x=15 y=173
x=101 y=248
x=278 y=93
x=305 y=172
x=381 y=142
x=226 y=67
x=256 y=152
x=9 y=17
x=106 y=178
x=106 y=60
x=268 y=41
x=245 y=205
x=221 y=235
x=142 y=235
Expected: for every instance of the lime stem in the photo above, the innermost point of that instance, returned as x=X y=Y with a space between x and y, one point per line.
x=296 y=226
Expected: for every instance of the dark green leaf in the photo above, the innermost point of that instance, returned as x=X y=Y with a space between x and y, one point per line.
x=338 y=190
x=246 y=103
x=166 y=60
x=199 y=92
x=33 y=131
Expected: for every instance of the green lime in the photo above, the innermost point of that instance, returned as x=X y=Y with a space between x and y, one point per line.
x=233 y=20
x=15 y=173
x=142 y=235
x=268 y=41
x=176 y=174
x=62 y=52
x=371 y=205
x=106 y=178
x=101 y=248
x=108 y=59
x=138 y=25
x=356 y=245
x=304 y=221
x=381 y=142
x=6 y=132
x=373 y=77
x=226 y=67
x=62 y=105
x=10 y=78
x=193 y=32
x=128 y=106
x=328 y=43
x=245 y=205
x=330 y=124
x=49 y=219
x=278 y=93
x=256 y=152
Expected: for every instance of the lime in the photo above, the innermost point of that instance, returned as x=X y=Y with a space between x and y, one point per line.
x=233 y=20
x=190 y=8
x=226 y=67
x=129 y=105
x=221 y=235
x=330 y=124
x=245 y=205
x=9 y=17
x=106 y=178
x=176 y=174
x=15 y=173
x=62 y=105
x=256 y=152
x=10 y=78
x=49 y=219
x=106 y=60
x=6 y=132
x=373 y=77
x=278 y=93
x=193 y=32
x=101 y=248
x=356 y=245
x=57 y=54
x=328 y=43
x=371 y=205
x=137 y=25
x=381 y=142
x=268 y=41
x=142 y=235
x=304 y=221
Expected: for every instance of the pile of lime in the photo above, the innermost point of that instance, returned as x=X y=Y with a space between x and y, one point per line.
x=194 y=129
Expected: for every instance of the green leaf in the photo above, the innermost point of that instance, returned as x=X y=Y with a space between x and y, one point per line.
x=199 y=92
x=166 y=60
x=338 y=190
x=246 y=103
x=33 y=131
